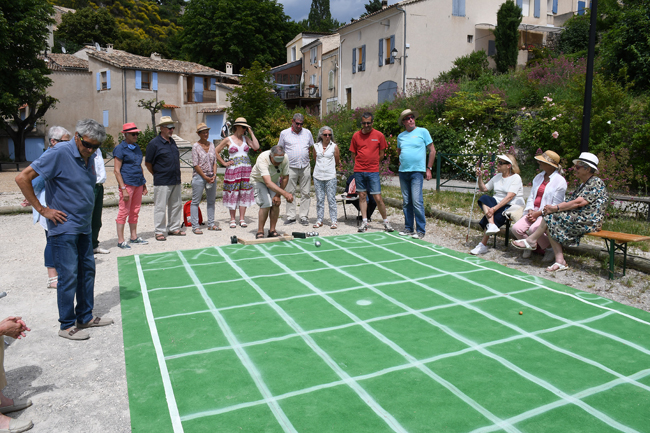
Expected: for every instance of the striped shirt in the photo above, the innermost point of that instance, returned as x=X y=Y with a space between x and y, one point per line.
x=296 y=146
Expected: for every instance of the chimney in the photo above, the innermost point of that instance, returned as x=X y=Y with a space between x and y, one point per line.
x=384 y=4
x=229 y=68
x=109 y=48
x=156 y=56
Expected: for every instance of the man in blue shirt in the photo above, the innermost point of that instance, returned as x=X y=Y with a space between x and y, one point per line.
x=164 y=162
x=412 y=147
x=70 y=177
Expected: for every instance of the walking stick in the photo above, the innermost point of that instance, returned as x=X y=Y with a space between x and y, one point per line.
x=471 y=215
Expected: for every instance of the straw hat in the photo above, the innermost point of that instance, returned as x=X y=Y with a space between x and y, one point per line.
x=201 y=127
x=165 y=120
x=406 y=113
x=588 y=158
x=549 y=157
x=241 y=121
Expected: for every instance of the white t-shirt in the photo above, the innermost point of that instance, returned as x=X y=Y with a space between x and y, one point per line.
x=503 y=186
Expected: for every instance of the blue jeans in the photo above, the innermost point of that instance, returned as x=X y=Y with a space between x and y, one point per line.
x=411 y=184
x=368 y=182
x=75 y=264
x=47 y=254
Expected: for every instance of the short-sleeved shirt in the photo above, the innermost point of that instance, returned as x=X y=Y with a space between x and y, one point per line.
x=296 y=146
x=503 y=186
x=69 y=187
x=367 y=147
x=264 y=167
x=413 y=149
x=204 y=160
x=165 y=160
x=131 y=169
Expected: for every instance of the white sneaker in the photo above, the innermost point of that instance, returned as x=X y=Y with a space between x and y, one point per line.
x=492 y=229
x=418 y=235
x=100 y=250
x=387 y=227
x=549 y=256
x=527 y=254
x=405 y=233
x=479 y=249
x=363 y=227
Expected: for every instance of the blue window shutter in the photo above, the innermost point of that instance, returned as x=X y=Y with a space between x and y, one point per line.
x=213 y=83
x=108 y=79
x=537 y=12
x=198 y=89
x=520 y=3
x=363 y=57
x=454 y=7
x=392 y=45
x=492 y=48
x=166 y=112
x=354 y=60
x=381 y=52
x=581 y=8
x=554 y=6
x=138 y=80
x=461 y=8
x=99 y=81
x=154 y=81
x=106 y=118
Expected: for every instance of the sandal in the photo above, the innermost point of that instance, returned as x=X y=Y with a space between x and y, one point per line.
x=243 y=223
x=333 y=226
x=177 y=233
x=259 y=235
x=273 y=234
x=160 y=237
x=560 y=267
x=52 y=282
x=233 y=224
x=197 y=231
x=524 y=245
x=214 y=227
x=318 y=225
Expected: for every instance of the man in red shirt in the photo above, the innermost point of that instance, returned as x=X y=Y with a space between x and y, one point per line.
x=368 y=147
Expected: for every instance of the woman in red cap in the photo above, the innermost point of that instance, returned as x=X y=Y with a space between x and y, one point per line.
x=128 y=172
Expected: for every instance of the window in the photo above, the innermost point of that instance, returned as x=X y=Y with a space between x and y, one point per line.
x=293 y=54
x=209 y=89
x=103 y=80
x=313 y=53
x=470 y=39
x=330 y=80
x=358 y=59
x=525 y=7
x=537 y=12
x=105 y=118
x=332 y=105
x=145 y=80
x=386 y=45
x=458 y=8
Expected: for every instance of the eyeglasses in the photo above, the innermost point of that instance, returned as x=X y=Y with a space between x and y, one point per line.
x=326 y=135
x=88 y=145
x=500 y=162
x=366 y=123
x=58 y=140
x=298 y=123
x=409 y=118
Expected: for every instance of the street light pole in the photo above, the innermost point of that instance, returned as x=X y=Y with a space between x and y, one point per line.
x=586 y=114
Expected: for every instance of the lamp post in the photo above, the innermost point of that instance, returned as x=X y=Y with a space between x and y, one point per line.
x=586 y=114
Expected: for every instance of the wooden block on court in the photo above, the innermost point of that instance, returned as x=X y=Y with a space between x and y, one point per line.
x=281 y=238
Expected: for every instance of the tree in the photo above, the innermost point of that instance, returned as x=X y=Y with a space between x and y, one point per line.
x=320 y=17
x=371 y=7
x=575 y=36
x=255 y=98
x=506 y=35
x=24 y=78
x=85 y=26
x=153 y=107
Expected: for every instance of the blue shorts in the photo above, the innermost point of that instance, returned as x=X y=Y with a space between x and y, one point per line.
x=499 y=218
x=368 y=182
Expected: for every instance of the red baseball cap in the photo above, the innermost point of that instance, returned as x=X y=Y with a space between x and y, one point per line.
x=130 y=127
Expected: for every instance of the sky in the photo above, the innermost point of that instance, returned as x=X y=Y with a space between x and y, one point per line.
x=341 y=10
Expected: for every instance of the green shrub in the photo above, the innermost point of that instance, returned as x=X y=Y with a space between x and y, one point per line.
x=470 y=66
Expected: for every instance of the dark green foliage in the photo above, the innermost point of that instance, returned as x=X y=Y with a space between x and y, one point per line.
x=371 y=6
x=24 y=78
x=85 y=26
x=145 y=137
x=470 y=66
x=575 y=36
x=506 y=35
x=320 y=17
x=236 y=31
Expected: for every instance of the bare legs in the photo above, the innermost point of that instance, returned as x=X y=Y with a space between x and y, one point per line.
x=557 y=247
x=363 y=204
x=133 y=228
x=263 y=214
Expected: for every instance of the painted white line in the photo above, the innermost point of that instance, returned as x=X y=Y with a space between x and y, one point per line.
x=164 y=373
x=277 y=411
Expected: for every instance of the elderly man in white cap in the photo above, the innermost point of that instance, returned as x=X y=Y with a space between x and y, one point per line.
x=413 y=169
x=163 y=161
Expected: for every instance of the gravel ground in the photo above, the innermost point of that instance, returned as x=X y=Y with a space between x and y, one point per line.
x=81 y=386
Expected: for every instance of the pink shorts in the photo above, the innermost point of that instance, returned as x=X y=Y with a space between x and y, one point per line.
x=130 y=208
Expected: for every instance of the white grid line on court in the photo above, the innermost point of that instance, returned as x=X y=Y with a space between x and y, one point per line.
x=164 y=373
x=532 y=378
x=412 y=360
x=274 y=406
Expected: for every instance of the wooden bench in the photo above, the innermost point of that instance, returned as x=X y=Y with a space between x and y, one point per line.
x=17 y=164
x=617 y=241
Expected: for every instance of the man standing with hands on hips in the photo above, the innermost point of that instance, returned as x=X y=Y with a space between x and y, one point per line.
x=412 y=148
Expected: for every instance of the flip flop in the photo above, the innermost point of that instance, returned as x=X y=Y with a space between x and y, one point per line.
x=273 y=234
x=560 y=267
x=160 y=237
x=526 y=245
x=215 y=228
x=177 y=233
x=197 y=231
x=259 y=235
x=242 y=223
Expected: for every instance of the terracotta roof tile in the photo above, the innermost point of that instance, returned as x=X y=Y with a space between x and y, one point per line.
x=66 y=62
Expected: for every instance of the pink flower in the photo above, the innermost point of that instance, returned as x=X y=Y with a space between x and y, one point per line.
x=555 y=134
x=554 y=118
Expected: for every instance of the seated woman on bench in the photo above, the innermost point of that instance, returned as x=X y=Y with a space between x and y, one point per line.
x=582 y=212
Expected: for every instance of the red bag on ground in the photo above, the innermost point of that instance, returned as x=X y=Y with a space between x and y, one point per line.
x=187 y=212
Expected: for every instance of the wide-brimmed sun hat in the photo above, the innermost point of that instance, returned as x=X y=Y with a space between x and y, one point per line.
x=549 y=157
x=241 y=121
x=165 y=120
x=406 y=113
x=201 y=127
x=130 y=127
x=589 y=159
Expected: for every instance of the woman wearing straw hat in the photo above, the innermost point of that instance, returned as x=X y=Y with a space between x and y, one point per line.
x=204 y=178
x=237 y=188
x=549 y=187
x=582 y=212
x=508 y=190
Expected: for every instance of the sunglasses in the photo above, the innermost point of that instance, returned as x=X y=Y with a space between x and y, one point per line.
x=327 y=135
x=298 y=123
x=503 y=162
x=87 y=145
x=169 y=127
x=134 y=133
x=409 y=118
x=366 y=123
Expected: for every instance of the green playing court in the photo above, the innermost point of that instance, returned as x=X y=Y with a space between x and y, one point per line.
x=373 y=333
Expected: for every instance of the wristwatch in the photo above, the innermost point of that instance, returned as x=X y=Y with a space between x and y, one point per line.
x=123 y=187
x=430 y=168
